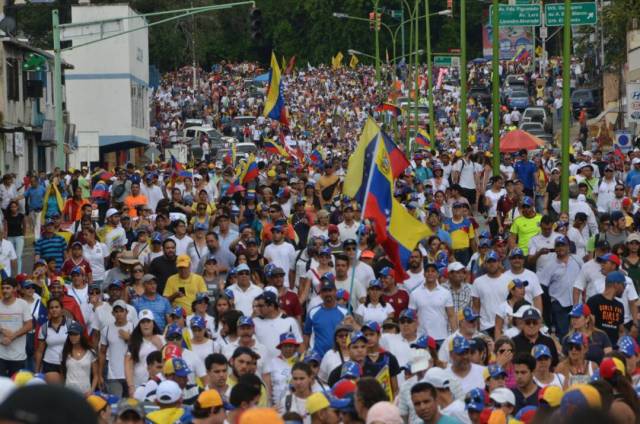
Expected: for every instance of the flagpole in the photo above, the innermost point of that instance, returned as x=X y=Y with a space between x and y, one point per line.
x=364 y=203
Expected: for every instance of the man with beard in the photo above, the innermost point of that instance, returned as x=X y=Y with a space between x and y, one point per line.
x=272 y=322
x=415 y=271
x=323 y=319
x=225 y=258
x=164 y=266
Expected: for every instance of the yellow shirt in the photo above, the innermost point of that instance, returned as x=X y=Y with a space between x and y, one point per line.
x=525 y=228
x=192 y=286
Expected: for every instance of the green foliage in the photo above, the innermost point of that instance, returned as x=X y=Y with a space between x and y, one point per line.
x=305 y=28
x=617 y=20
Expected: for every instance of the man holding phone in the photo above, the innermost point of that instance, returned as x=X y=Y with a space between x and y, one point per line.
x=542 y=244
x=181 y=288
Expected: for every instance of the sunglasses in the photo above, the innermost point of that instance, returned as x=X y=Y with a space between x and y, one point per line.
x=531 y=322
x=405 y=321
x=505 y=350
x=94 y=292
x=575 y=347
x=243 y=273
x=138 y=270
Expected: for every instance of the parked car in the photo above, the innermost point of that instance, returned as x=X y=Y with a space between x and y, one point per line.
x=518 y=99
x=587 y=98
x=538 y=114
x=530 y=127
x=481 y=94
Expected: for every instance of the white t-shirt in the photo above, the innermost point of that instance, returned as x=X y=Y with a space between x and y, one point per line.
x=534 y=288
x=140 y=373
x=55 y=341
x=431 y=306
x=280 y=372
x=153 y=194
x=473 y=379
x=491 y=292
x=95 y=256
x=538 y=242
x=7 y=254
x=467 y=173
x=330 y=361
x=182 y=244
x=203 y=350
x=116 y=349
x=243 y=299
x=13 y=317
x=79 y=372
x=494 y=197
x=268 y=332
x=283 y=255
x=359 y=290
x=377 y=313
x=416 y=279
x=348 y=232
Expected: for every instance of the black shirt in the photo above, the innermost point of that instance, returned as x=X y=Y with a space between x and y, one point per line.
x=370 y=369
x=522 y=401
x=14 y=225
x=163 y=268
x=609 y=315
x=523 y=345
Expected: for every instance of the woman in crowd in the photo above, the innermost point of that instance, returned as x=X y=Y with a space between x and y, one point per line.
x=15 y=225
x=201 y=343
x=542 y=375
x=504 y=350
x=583 y=322
x=51 y=340
x=508 y=307
x=220 y=307
x=135 y=288
x=576 y=368
x=301 y=389
x=199 y=308
x=336 y=356
x=277 y=372
x=145 y=338
x=79 y=365
x=374 y=307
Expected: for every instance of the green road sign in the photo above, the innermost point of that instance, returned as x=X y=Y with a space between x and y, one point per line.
x=397 y=14
x=581 y=14
x=520 y=15
x=446 y=61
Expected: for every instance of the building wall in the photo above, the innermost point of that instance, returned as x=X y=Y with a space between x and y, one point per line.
x=107 y=90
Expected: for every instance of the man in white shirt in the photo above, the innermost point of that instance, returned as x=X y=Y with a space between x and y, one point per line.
x=272 y=322
x=415 y=271
x=363 y=271
x=281 y=253
x=463 y=173
x=541 y=245
x=348 y=227
x=15 y=323
x=488 y=292
x=466 y=374
x=244 y=291
x=183 y=241
x=8 y=257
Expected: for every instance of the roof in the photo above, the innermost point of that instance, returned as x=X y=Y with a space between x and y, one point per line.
x=21 y=45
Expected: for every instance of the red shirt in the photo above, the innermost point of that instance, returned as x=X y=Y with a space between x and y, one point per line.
x=399 y=300
x=290 y=304
x=69 y=264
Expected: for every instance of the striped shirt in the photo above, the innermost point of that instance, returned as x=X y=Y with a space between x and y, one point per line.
x=160 y=307
x=52 y=247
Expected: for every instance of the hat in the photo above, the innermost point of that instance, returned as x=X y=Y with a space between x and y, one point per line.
x=375 y=284
x=242 y=267
x=603 y=244
x=325 y=251
x=616 y=215
x=384 y=412
x=145 y=314
x=367 y=254
x=516 y=252
x=116 y=283
x=561 y=240
x=168 y=392
x=349 y=242
x=581 y=310
x=468 y=314
x=98 y=403
x=179 y=312
x=627 y=345
x=531 y=314
x=327 y=282
x=111 y=212
x=316 y=402
x=342 y=294
x=527 y=201
x=455 y=266
x=261 y=416
x=425 y=342
x=408 y=314
x=209 y=399
x=633 y=237
x=27 y=283
x=580 y=396
x=174 y=329
x=355 y=336
x=197 y=322
x=526 y=414
x=577 y=339
x=350 y=369
x=312 y=356
x=610 y=257
x=609 y=366
x=119 y=304
x=540 y=350
x=75 y=328
x=287 y=338
x=491 y=256
x=502 y=395
x=474 y=400
x=437 y=377
x=516 y=282
x=370 y=325
x=484 y=242
x=387 y=271
x=343 y=388
x=551 y=395
x=494 y=371
x=176 y=366
x=269 y=297
x=184 y=261
x=333 y=229
x=243 y=320
x=130 y=405
x=615 y=277
x=459 y=345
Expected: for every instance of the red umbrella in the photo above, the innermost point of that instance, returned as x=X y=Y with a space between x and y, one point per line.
x=517 y=140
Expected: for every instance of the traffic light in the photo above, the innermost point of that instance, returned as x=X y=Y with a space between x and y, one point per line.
x=256 y=23
x=450 y=4
x=372 y=20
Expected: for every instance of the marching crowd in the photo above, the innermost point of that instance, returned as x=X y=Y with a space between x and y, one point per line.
x=161 y=294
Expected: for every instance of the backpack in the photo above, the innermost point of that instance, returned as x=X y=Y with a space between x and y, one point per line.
x=118 y=191
x=287 y=402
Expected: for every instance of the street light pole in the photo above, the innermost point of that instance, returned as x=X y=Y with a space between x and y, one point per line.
x=463 y=74
x=416 y=67
x=432 y=118
x=375 y=11
x=566 y=107
x=495 y=85
x=57 y=92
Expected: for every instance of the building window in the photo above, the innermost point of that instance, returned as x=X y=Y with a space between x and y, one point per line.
x=13 y=79
x=138 y=113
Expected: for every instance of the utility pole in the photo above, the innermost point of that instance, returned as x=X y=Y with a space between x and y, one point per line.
x=463 y=75
x=566 y=107
x=432 y=118
x=495 y=85
x=377 y=32
x=61 y=159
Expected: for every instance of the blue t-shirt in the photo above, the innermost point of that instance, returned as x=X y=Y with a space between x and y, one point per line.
x=526 y=172
x=447 y=419
x=633 y=179
x=35 y=196
x=322 y=322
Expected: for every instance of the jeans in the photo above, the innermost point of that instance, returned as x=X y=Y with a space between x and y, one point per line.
x=560 y=316
x=8 y=368
x=18 y=245
x=35 y=220
x=30 y=348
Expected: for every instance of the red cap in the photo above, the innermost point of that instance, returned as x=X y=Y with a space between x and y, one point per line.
x=22 y=277
x=333 y=229
x=626 y=202
x=609 y=366
x=172 y=351
x=343 y=388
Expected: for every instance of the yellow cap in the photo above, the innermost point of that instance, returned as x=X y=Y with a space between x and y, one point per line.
x=271 y=173
x=260 y=416
x=209 y=399
x=184 y=261
x=22 y=377
x=98 y=403
x=316 y=402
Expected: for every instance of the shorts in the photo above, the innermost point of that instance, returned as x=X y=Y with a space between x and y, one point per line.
x=469 y=194
x=47 y=367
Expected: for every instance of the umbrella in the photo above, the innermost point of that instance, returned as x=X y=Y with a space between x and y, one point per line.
x=479 y=61
x=517 y=140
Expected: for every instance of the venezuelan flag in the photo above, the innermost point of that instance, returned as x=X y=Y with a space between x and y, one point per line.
x=521 y=55
x=379 y=195
x=175 y=165
x=273 y=147
x=388 y=107
x=315 y=156
x=274 y=107
x=250 y=171
x=423 y=139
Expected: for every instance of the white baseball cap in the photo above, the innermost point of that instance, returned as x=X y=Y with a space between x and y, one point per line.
x=437 y=377
x=168 y=392
x=503 y=395
x=455 y=266
x=145 y=314
x=635 y=161
x=114 y=211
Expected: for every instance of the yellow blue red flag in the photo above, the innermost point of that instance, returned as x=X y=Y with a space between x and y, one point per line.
x=274 y=107
x=423 y=139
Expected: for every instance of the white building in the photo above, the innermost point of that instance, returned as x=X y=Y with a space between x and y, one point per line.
x=107 y=92
x=26 y=110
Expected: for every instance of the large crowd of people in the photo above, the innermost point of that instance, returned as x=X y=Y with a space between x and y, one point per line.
x=172 y=293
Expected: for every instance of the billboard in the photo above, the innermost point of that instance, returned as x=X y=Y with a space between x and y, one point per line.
x=511 y=38
x=633 y=101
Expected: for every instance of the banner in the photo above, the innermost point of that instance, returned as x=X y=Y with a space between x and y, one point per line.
x=512 y=42
x=633 y=101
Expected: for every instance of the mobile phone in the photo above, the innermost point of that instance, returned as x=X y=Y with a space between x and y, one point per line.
x=181 y=290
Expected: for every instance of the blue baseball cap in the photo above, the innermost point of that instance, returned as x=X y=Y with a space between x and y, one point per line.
x=29 y=283
x=312 y=356
x=627 y=345
x=580 y=310
x=202 y=296
x=516 y=252
x=387 y=271
x=233 y=271
x=287 y=338
x=576 y=338
x=350 y=369
x=76 y=270
x=326 y=251
x=197 y=322
x=408 y=314
x=375 y=284
x=371 y=325
x=469 y=315
x=561 y=240
x=424 y=342
x=342 y=294
x=116 y=283
x=615 y=277
x=75 y=328
x=174 y=329
x=200 y=226
x=491 y=256
x=229 y=293
x=516 y=282
x=357 y=335
x=269 y=297
x=179 y=311
x=484 y=243
x=327 y=281
x=156 y=238
x=459 y=345
x=177 y=366
x=494 y=371
x=527 y=201
x=245 y=321
x=540 y=350
x=474 y=400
